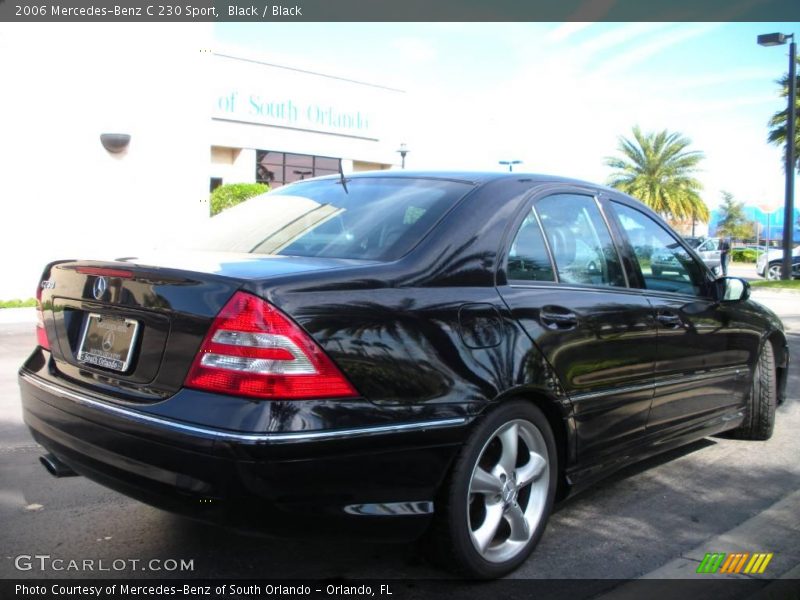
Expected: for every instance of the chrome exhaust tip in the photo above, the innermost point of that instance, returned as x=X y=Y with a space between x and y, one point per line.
x=55 y=467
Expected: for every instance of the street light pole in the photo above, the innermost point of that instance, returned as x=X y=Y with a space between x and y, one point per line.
x=778 y=39
x=403 y=151
x=510 y=164
x=788 y=214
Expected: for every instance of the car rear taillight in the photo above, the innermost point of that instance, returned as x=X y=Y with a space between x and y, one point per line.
x=41 y=333
x=253 y=349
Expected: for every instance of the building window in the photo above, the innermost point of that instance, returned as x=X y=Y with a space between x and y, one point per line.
x=215 y=183
x=279 y=168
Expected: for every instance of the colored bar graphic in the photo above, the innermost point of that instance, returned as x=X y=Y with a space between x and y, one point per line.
x=721 y=562
x=734 y=562
x=758 y=563
x=711 y=562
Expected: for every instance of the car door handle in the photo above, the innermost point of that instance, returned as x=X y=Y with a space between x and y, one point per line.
x=669 y=320
x=558 y=318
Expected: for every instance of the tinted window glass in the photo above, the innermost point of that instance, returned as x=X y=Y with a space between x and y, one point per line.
x=377 y=218
x=665 y=265
x=579 y=240
x=279 y=168
x=528 y=259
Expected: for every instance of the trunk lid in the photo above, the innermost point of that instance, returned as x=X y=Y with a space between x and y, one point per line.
x=131 y=327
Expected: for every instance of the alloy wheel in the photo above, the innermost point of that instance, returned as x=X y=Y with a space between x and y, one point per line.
x=774 y=272
x=508 y=491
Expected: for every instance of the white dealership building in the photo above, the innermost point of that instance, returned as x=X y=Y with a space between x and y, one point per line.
x=113 y=135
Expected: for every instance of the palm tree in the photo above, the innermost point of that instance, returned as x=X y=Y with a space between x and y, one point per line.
x=657 y=169
x=777 y=135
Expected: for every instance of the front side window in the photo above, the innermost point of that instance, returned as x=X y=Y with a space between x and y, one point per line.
x=666 y=266
x=378 y=218
x=579 y=240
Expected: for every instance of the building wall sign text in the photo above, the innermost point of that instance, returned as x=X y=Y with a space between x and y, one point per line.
x=286 y=112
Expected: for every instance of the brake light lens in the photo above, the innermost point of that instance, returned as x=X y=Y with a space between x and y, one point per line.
x=254 y=350
x=105 y=272
x=41 y=333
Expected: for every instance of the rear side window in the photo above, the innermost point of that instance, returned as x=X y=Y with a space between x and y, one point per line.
x=376 y=218
x=579 y=240
x=528 y=259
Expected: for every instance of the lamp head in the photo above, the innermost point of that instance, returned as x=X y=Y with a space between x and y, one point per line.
x=773 y=39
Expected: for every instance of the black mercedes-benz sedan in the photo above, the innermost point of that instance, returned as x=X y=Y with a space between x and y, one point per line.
x=403 y=355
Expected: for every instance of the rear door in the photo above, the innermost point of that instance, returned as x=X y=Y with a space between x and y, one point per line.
x=565 y=285
x=704 y=347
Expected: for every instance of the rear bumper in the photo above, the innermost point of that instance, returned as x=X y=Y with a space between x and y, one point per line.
x=375 y=481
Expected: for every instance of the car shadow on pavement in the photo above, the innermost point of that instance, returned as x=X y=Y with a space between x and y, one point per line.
x=635 y=469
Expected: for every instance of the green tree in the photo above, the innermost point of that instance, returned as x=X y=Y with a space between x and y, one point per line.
x=232 y=194
x=732 y=220
x=777 y=132
x=658 y=169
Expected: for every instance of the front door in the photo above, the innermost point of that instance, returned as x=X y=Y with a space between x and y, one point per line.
x=704 y=349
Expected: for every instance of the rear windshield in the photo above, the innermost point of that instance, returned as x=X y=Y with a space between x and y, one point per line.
x=377 y=218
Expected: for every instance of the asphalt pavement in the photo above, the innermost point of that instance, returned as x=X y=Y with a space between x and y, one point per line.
x=655 y=519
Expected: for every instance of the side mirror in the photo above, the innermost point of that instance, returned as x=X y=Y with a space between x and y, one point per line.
x=732 y=289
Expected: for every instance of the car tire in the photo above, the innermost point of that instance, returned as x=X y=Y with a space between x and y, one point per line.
x=494 y=505
x=759 y=418
x=774 y=272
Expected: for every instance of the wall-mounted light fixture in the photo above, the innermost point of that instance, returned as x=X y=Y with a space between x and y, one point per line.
x=115 y=142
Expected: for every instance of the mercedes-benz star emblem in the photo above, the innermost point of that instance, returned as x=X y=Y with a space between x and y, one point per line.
x=108 y=341
x=100 y=285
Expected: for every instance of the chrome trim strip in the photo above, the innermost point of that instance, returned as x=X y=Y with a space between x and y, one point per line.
x=674 y=380
x=612 y=392
x=424 y=507
x=219 y=434
x=681 y=379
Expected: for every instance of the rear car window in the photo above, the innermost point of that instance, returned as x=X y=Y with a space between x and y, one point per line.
x=376 y=218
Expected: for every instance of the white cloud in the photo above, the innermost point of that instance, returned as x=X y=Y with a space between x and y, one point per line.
x=415 y=49
x=565 y=31
x=634 y=56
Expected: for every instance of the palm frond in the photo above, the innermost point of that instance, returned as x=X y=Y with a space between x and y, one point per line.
x=657 y=169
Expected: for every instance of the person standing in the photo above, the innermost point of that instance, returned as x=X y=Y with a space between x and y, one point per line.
x=724 y=252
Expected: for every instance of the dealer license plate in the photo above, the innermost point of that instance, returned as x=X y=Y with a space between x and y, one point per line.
x=108 y=342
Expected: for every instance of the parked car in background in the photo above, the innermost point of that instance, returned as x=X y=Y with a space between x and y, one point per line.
x=770 y=264
x=398 y=354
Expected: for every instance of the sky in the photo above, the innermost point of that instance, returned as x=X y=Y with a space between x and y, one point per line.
x=558 y=96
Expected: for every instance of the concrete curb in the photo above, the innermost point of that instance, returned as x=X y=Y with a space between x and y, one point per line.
x=775 y=530
x=760 y=291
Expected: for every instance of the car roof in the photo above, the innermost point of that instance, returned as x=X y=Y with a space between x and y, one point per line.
x=473 y=177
